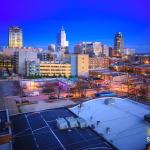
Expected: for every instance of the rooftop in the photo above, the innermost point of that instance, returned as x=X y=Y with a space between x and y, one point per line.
x=38 y=131
x=4 y=131
x=108 y=72
x=121 y=122
x=3 y=121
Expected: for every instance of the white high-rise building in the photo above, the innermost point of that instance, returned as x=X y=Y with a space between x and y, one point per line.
x=62 y=43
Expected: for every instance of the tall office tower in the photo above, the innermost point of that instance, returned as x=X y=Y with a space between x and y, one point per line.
x=62 y=43
x=118 y=42
x=15 y=37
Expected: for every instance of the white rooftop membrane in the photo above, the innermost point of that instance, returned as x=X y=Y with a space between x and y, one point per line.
x=124 y=119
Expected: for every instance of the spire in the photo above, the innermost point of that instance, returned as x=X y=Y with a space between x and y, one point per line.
x=62 y=28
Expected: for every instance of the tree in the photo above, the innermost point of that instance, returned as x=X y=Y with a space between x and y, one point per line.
x=48 y=88
x=80 y=88
x=65 y=76
x=70 y=76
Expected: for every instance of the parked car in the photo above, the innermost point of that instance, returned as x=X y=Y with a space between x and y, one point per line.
x=52 y=97
x=69 y=96
x=35 y=93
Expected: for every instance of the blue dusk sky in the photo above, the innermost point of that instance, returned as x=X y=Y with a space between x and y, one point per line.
x=83 y=20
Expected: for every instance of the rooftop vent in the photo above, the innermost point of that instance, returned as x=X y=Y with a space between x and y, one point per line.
x=109 y=101
x=82 y=123
x=62 y=124
x=72 y=122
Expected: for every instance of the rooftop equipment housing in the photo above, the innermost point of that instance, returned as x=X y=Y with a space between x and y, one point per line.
x=109 y=101
x=62 y=124
x=82 y=123
x=72 y=122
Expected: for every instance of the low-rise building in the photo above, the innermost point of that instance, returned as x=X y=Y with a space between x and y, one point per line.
x=91 y=48
x=20 y=58
x=6 y=61
x=32 y=68
x=98 y=62
x=55 y=69
x=45 y=56
x=121 y=121
x=80 y=65
x=142 y=58
x=11 y=51
x=142 y=69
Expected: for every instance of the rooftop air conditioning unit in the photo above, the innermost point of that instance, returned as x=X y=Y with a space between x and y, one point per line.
x=72 y=122
x=109 y=101
x=62 y=124
x=82 y=123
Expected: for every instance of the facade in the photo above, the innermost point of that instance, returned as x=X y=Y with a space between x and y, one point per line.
x=106 y=51
x=32 y=68
x=52 y=47
x=54 y=69
x=110 y=51
x=99 y=62
x=97 y=48
x=20 y=59
x=80 y=65
x=15 y=36
x=118 y=43
x=92 y=49
x=142 y=69
x=6 y=61
x=128 y=51
x=73 y=61
x=11 y=51
x=45 y=56
x=142 y=58
x=62 y=43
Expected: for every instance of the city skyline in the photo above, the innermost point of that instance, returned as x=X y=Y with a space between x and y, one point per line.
x=75 y=74
x=82 y=20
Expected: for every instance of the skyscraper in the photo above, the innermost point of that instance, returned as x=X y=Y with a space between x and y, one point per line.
x=15 y=37
x=118 y=42
x=62 y=43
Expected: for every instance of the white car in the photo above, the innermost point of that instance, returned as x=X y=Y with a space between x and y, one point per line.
x=34 y=93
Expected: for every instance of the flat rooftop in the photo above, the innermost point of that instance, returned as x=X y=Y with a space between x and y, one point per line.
x=121 y=123
x=38 y=131
x=4 y=131
x=108 y=72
